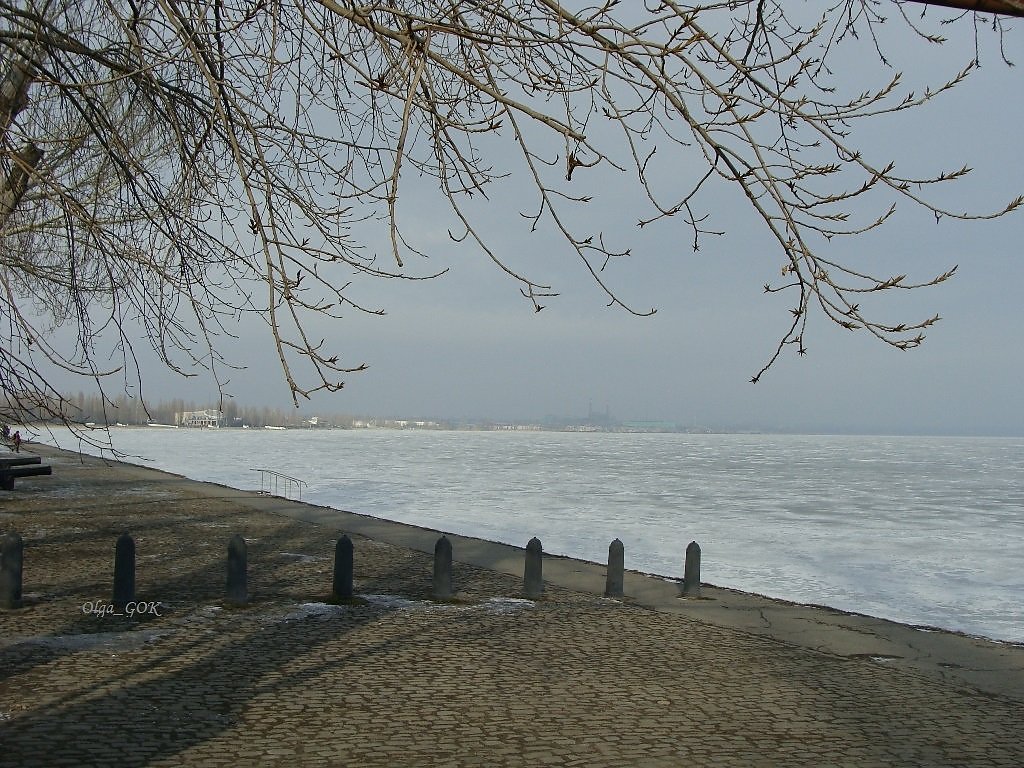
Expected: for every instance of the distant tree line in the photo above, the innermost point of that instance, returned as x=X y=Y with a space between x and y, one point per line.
x=95 y=409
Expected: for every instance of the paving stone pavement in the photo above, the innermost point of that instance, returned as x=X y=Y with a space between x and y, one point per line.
x=488 y=679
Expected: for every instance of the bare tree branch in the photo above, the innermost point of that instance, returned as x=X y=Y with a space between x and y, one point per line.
x=171 y=166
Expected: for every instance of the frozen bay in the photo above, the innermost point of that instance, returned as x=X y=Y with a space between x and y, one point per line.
x=922 y=530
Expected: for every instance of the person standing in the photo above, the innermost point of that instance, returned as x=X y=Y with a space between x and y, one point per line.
x=17 y=441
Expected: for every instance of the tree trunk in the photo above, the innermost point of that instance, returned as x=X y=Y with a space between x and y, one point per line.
x=23 y=166
x=14 y=92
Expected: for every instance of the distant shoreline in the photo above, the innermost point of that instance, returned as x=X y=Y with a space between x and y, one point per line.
x=533 y=428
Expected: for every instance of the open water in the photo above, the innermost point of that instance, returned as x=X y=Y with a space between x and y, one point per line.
x=923 y=530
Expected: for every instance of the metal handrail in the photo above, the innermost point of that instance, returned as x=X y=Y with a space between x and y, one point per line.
x=271 y=481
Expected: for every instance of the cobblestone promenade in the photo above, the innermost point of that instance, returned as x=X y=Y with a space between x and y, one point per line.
x=486 y=680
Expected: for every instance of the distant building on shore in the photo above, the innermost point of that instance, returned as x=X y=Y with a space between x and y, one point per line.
x=208 y=419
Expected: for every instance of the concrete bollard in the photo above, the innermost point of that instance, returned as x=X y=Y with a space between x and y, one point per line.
x=11 y=558
x=124 y=572
x=443 y=569
x=616 y=570
x=238 y=566
x=343 y=566
x=533 y=575
x=691 y=571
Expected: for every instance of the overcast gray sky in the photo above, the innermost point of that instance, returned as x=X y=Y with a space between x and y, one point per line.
x=468 y=346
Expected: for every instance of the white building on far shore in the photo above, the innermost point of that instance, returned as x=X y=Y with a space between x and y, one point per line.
x=208 y=419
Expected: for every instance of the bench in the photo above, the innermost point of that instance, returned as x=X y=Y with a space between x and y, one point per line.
x=20 y=466
x=17 y=460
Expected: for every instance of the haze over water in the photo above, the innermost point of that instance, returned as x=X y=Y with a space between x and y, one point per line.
x=923 y=530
